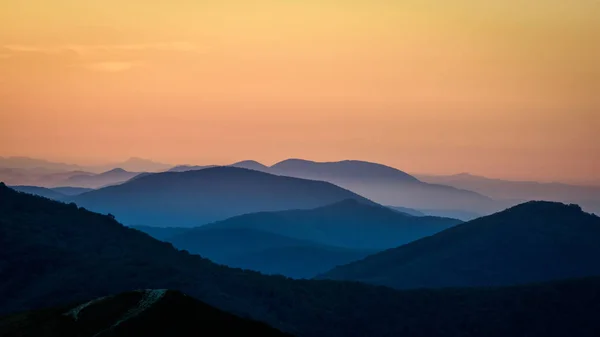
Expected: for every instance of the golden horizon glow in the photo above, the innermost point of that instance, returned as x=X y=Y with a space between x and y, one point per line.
x=503 y=89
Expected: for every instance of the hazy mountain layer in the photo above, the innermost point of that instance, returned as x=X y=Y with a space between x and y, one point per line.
x=193 y=198
x=349 y=223
x=588 y=197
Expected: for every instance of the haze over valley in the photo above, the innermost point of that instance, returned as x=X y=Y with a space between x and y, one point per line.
x=299 y=168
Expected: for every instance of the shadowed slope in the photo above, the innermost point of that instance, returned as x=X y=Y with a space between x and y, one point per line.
x=305 y=243
x=535 y=241
x=265 y=252
x=348 y=223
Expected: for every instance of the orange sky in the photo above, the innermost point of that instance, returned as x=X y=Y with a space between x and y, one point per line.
x=507 y=89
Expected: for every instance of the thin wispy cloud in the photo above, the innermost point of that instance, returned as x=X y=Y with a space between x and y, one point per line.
x=82 y=49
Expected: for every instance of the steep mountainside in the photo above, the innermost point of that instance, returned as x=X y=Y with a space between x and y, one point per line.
x=531 y=242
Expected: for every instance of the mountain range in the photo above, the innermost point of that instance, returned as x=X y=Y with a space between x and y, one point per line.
x=194 y=198
x=38 y=177
x=380 y=183
x=55 y=254
x=349 y=223
x=532 y=242
x=82 y=179
x=185 y=168
x=56 y=193
x=302 y=243
x=114 y=176
x=388 y=186
x=40 y=165
x=463 y=196
x=588 y=197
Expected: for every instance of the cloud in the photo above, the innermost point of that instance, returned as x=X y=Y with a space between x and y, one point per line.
x=81 y=49
x=109 y=66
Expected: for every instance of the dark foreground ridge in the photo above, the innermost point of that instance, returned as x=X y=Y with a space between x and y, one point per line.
x=148 y=313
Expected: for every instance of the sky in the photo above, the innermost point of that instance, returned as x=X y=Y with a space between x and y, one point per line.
x=507 y=89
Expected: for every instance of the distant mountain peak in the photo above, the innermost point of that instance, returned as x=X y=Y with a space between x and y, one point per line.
x=294 y=161
x=251 y=164
x=545 y=207
x=116 y=170
x=136 y=164
x=345 y=168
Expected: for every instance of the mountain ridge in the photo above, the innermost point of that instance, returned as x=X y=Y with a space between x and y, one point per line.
x=586 y=196
x=193 y=198
x=531 y=242
x=347 y=223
